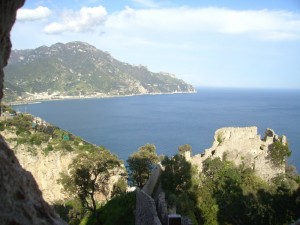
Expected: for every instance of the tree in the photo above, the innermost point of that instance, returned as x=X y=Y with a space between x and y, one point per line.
x=184 y=148
x=177 y=176
x=178 y=180
x=141 y=163
x=118 y=210
x=279 y=152
x=89 y=174
x=119 y=188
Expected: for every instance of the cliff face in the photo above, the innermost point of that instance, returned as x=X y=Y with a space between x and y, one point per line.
x=243 y=145
x=8 y=11
x=46 y=168
x=21 y=200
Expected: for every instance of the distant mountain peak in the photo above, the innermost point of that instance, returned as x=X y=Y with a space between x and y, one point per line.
x=78 y=69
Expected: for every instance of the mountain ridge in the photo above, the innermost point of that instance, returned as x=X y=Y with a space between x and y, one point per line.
x=78 y=69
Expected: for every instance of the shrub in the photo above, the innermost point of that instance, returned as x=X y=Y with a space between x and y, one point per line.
x=119 y=210
x=38 y=138
x=48 y=149
x=279 y=152
x=119 y=187
x=2 y=126
x=70 y=211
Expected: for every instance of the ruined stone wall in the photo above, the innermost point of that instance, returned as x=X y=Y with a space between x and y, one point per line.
x=145 y=211
x=162 y=207
x=21 y=201
x=152 y=181
x=243 y=145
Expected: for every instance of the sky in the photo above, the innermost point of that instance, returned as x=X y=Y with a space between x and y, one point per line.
x=208 y=43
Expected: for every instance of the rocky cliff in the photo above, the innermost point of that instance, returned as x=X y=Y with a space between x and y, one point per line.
x=32 y=150
x=244 y=146
x=46 y=171
x=21 y=200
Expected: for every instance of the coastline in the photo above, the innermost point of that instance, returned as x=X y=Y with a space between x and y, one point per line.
x=43 y=98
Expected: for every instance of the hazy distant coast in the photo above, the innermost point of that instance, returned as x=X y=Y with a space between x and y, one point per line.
x=37 y=98
x=78 y=70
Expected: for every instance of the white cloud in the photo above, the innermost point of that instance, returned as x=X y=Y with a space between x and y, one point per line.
x=40 y=12
x=84 y=20
x=262 y=24
x=211 y=46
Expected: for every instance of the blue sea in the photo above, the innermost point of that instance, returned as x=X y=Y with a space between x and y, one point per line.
x=123 y=124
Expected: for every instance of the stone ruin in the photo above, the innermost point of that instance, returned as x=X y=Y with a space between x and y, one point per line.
x=243 y=145
x=153 y=210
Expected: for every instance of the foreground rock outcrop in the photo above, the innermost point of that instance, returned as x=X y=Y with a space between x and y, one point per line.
x=244 y=146
x=21 y=201
x=46 y=171
x=47 y=166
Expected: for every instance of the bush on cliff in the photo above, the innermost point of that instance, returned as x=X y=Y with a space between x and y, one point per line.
x=227 y=194
x=178 y=180
x=235 y=195
x=279 y=152
x=119 y=210
x=140 y=164
x=89 y=174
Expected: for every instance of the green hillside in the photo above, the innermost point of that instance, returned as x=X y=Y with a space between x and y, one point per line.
x=79 y=69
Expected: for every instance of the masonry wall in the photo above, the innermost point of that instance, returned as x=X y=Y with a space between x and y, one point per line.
x=145 y=211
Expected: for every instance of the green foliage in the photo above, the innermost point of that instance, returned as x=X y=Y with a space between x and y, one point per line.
x=2 y=126
x=58 y=133
x=177 y=177
x=119 y=187
x=21 y=121
x=7 y=108
x=234 y=195
x=46 y=72
x=38 y=138
x=65 y=145
x=178 y=181
x=48 y=149
x=219 y=139
x=140 y=164
x=71 y=211
x=279 y=152
x=186 y=206
x=119 y=210
x=184 y=148
x=44 y=138
x=89 y=173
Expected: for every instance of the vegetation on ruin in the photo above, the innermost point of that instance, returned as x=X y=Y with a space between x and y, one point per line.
x=279 y=152
x=226 y=194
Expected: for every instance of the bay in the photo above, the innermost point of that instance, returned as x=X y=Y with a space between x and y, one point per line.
x=123 y=124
